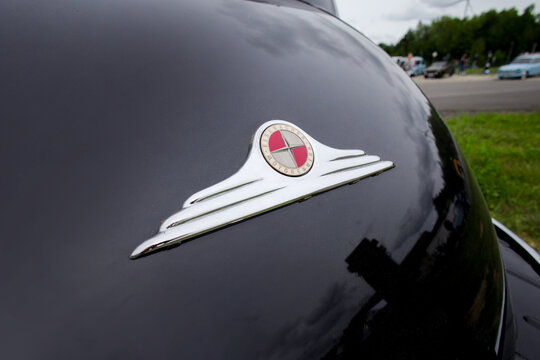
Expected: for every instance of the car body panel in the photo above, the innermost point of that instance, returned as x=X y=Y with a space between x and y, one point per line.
x=326 y=5
x=522 y=268
x=114 y=113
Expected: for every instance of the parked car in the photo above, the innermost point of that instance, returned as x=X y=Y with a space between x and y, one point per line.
x=114 y=113
x=415 y=66
x=400 y=60
x=523 y=66
x=439 y=69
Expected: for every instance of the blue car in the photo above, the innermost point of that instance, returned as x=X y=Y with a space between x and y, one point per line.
x=415 y=66
x=522 y=67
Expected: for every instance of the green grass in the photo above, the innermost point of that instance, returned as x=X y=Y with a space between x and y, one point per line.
x=504 y=152
x=478 y=71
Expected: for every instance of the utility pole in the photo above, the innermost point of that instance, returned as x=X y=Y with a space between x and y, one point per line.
x=467 y=7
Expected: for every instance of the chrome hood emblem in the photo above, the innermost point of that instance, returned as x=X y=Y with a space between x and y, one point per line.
x=284 y=165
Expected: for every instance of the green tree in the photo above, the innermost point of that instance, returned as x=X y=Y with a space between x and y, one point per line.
x=504 y=34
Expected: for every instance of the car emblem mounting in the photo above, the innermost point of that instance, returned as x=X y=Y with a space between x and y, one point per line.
x=284 y=165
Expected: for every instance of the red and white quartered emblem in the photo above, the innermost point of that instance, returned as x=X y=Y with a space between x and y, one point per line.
x=287 y=150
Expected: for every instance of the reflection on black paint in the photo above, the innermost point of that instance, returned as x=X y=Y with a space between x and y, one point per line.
x=313 y=33
x=406 y=318
x=307 y=336
x=443 y=301
x=275 y=35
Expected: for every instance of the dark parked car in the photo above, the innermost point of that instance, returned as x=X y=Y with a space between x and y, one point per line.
x=115 y=112
x=439 y=69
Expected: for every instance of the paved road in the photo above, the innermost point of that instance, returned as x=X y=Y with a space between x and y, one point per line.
x=476 y=93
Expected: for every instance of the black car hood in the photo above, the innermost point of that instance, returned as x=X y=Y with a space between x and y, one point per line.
x=113 y=113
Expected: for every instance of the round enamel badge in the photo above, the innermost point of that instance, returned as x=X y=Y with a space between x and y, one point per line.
x=287 y=150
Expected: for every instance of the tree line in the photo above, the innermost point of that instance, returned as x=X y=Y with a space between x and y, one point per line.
x=497 y=36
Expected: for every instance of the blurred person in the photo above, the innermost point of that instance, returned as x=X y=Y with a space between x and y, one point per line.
x=410 y=62
x=462 y=64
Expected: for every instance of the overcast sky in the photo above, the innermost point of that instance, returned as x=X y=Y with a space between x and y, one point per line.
x=388 y=20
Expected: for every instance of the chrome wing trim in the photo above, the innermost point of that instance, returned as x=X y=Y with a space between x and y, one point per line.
x=528 y=248
x=257 y=188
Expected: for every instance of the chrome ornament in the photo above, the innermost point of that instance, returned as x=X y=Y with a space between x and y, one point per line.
x=284 y=165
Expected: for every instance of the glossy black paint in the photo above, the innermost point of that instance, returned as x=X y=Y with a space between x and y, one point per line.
x=326 y=5
x=113 y=113
x=523 y=284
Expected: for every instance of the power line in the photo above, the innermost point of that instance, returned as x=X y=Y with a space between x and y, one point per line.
x=468 y=6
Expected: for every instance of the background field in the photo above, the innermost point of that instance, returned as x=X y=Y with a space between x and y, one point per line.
x=504 y=152
x=478 y=70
